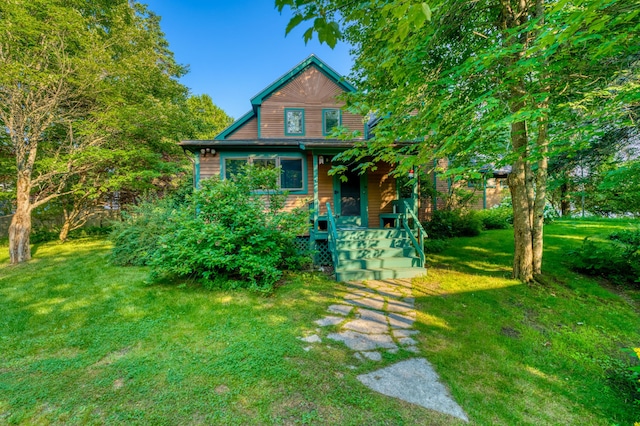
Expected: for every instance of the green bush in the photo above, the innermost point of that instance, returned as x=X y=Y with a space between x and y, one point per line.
x=231 y=233
x=136 y=237
x=617 y=260
x=43 y=235
x=499 y=217
x=435 y=246
x=453 y=223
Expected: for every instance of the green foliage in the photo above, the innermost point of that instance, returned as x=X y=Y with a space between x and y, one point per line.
x=618 y=190
x=234 y=230
x=136 y=237
x=490 y=79
x=91 y=104
x=617 y=260
x=453 y=223
x=75 y=330
x=207 y=118
x=433 y=245
x=499 y=217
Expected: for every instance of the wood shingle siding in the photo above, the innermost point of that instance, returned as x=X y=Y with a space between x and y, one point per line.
x=248 y=131
x=325 y=187
x=311 y=91
x=209 y=166
x=382 y=191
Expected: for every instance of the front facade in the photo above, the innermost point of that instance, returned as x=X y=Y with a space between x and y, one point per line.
x=289 y=126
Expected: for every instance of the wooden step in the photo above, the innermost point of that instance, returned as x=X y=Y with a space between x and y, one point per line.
x=378 y=273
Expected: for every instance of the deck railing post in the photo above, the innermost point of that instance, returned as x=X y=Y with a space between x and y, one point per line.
x=418 y=243
x=332 y=236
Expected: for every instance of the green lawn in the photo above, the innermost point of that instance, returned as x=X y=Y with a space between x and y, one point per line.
x=84 y=342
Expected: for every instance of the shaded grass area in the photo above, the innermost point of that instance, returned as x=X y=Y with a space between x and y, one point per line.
x=84 y=342
x=519 y=354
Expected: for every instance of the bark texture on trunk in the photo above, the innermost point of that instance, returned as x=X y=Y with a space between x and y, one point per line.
x=64 y=231
x=20 y=228
x=541 y=197
x=523 y=249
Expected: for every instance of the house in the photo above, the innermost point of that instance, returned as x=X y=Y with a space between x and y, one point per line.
x=486 y=192
x=357 y=223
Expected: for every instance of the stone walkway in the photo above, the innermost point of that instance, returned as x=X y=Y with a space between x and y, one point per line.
x=378 y=316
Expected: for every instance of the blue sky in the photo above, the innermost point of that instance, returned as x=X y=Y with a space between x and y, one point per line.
x=236 y=48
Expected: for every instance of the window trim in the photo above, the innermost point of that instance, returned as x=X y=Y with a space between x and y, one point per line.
x=324 y=125
x=249 y=157
x=286 y=127
x=279 y=159
x=223 y=163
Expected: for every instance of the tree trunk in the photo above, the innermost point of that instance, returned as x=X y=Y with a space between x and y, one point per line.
x=20 y=228
x=537 y=225
x=64 y=231
x=541 y=195
x=565 y=202
x=523 y=249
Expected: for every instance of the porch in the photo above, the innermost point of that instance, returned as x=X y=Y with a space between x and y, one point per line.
x=395 y=249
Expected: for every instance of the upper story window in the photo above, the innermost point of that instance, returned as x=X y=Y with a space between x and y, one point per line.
x=331 y=118
x=293 y=122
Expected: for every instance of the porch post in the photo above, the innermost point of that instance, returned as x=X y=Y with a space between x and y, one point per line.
x=196 y=174
x=316 y=200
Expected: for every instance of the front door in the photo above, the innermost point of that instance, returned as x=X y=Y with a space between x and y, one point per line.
x=350 y=198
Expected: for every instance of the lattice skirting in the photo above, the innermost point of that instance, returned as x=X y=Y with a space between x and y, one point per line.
x=322 y=256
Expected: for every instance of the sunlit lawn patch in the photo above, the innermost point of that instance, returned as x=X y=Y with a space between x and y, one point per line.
x=82 y=341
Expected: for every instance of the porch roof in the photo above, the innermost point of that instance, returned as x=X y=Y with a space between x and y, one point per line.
x=269 y=143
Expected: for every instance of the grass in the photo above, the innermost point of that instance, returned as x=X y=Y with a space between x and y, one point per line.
x=85 y=342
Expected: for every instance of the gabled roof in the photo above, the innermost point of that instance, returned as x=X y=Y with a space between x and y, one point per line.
x=236 y=125
x=257 y=100
x=297 y=70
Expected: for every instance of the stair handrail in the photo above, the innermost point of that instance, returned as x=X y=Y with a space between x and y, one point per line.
x=418 y=243
x=332 y=236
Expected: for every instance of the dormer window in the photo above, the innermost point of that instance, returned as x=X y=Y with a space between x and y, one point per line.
x=331 y=118
x=294 y=122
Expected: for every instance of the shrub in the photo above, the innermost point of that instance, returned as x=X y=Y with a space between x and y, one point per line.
x=435 y=246
x=136 y=237
x=453 y=223
x=233 y=231
x=617 y=260
x=43 y=235
x=499 y=217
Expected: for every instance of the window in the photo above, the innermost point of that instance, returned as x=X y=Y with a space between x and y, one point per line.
x=291 y=174
x=233 y=166
x=264 y=163
x=293 y=122
x=330 y=119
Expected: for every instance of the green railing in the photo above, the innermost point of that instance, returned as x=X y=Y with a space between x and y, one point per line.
x=418 y=243
x=332 y=236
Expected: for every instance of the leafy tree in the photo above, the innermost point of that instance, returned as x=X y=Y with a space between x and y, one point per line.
x=208 y=118
x=513 y=81
x=575 y=175
x=78 y=78
x=618 y=191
